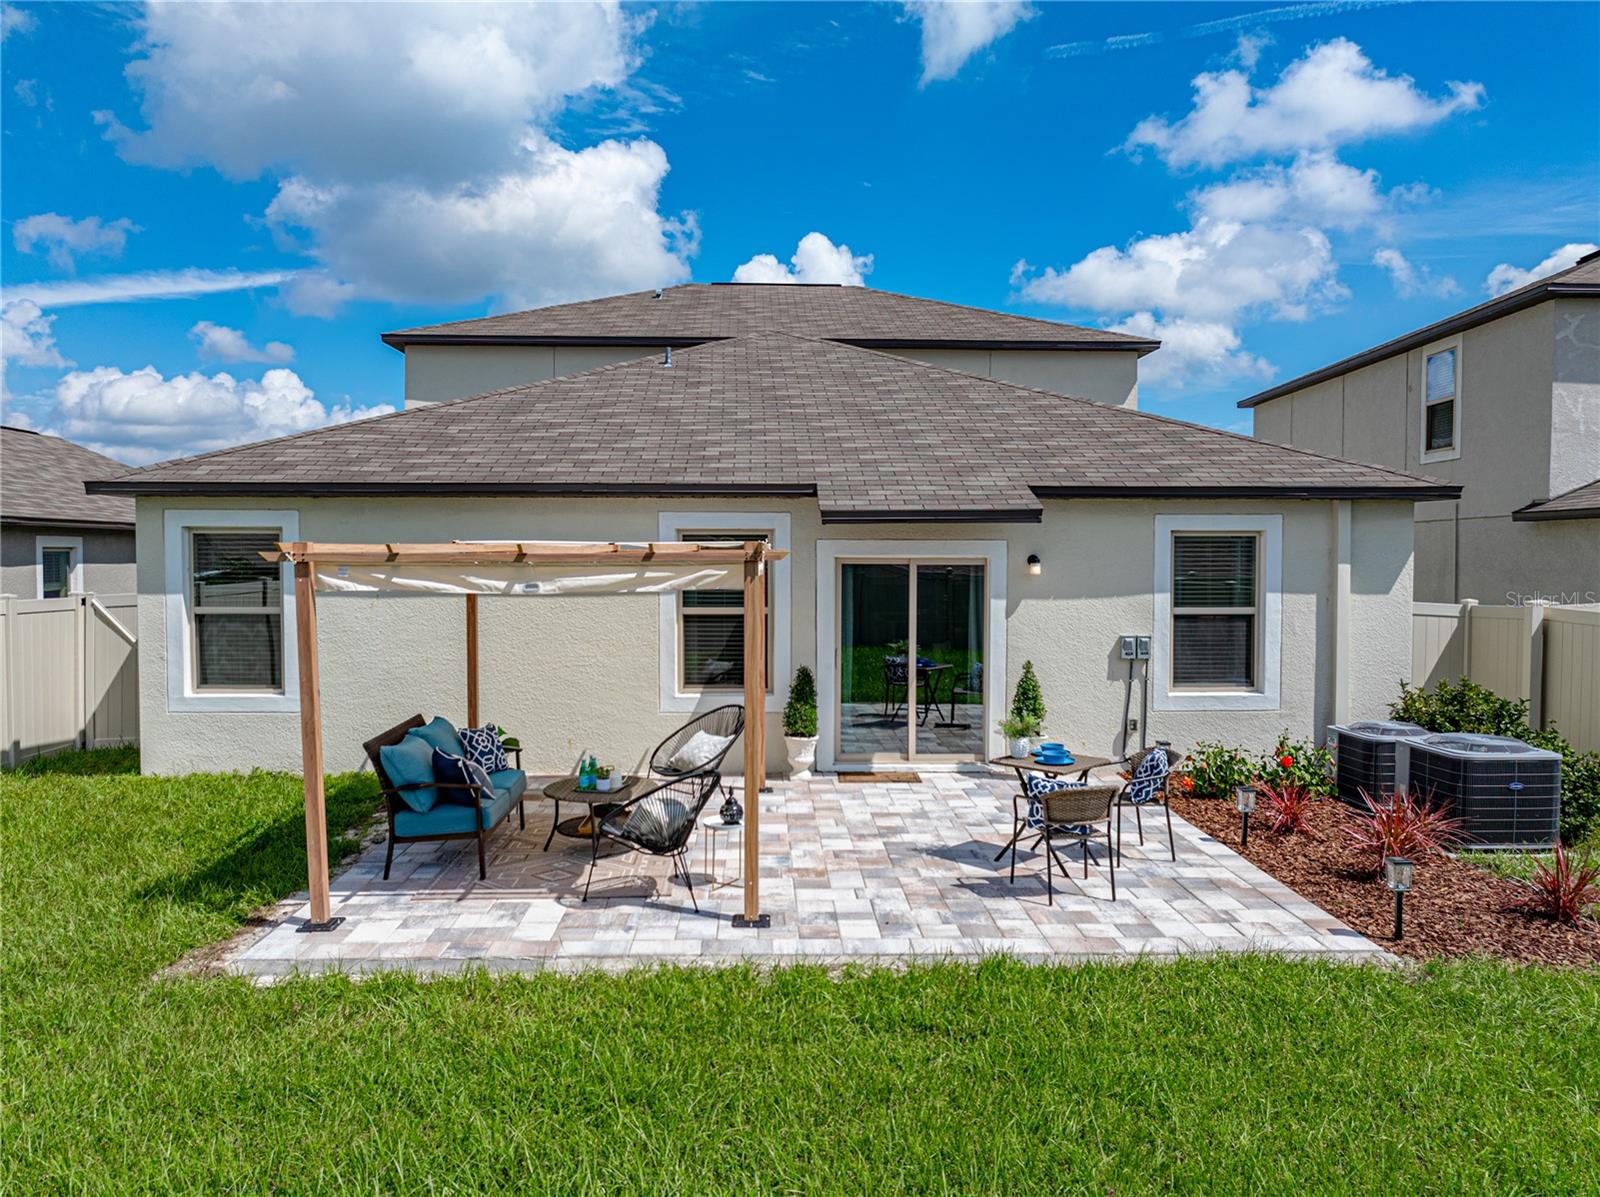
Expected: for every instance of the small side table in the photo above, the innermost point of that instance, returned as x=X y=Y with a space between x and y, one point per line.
x=711 y=831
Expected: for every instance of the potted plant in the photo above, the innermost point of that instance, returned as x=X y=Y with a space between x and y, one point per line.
x=602 y=778
x=1027 y=712
x=1017 y=731
x=800 y=723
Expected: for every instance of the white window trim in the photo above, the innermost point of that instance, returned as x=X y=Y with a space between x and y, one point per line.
x=1454 y=451
x=829 y=552
x=181 y=694
x=1269 y=528
x=673 y=698
x=74 y=578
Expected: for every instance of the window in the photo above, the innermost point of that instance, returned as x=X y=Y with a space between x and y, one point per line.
x=1215 y=610
x=711 y=629
x=1439 y=402
x=58 y=564
x=236 y=603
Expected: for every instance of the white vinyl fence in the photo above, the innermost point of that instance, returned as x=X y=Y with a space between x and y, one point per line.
x=1548 y=655
x=69 y=673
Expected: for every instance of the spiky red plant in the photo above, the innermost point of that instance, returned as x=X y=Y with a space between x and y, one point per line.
x=1288 y=805
x=1401 y=825
x=1564 y=890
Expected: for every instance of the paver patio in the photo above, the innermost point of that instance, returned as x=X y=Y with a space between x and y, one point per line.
x=881 y=872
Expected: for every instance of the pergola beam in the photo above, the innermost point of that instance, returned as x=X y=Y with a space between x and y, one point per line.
x=528 y=553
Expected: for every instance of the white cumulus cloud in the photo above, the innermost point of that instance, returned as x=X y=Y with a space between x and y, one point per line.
x=954 y=30
x=26 y=338
x=1506 y=277
x=141 y=416
x=1199 y=352
x=230 y=345
x=1315 y=188
x=63 y=239
x=1216 y=270
x=414 y=157
x=815 y=260
x=14 y=19
x=1331 y=96
x=1408 y=278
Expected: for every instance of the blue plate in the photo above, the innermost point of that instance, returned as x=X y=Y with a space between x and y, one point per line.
x=1055 y=760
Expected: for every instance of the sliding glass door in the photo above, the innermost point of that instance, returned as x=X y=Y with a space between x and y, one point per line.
x=910 y=661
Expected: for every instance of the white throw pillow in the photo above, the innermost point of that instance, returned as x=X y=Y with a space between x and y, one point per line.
x=696 y=751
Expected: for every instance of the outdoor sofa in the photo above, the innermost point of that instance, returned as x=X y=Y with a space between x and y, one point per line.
x=421 y=807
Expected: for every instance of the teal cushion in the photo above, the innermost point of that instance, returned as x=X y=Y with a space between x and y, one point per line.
x=407 y=762
x=441 y=734
x=450 y=819
x=512 y=781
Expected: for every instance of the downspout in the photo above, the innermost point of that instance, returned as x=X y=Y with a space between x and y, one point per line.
x=1341 y=611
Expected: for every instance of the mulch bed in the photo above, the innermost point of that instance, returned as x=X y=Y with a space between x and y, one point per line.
x=1454 y=908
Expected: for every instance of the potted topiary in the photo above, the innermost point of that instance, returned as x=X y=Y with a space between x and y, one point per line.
x=1027 y=712
x=800 y=723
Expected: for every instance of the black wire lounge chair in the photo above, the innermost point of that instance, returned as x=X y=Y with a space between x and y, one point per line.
x=660 y=822
x=726 y=722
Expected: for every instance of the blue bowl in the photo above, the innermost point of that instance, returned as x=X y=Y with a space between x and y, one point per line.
x=1047 y=745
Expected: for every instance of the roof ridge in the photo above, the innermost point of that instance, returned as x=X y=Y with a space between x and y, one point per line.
x=1125 y=411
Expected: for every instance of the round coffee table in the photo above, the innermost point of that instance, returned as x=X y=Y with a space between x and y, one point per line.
x=600 y=804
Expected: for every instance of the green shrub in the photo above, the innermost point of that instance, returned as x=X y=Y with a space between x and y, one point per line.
x=1027 y=700
x=1216 y=769
x=1310 y=768
x=1469 y=707
x=800 y=712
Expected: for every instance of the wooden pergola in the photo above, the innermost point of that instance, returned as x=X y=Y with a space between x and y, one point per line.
x=472 y=569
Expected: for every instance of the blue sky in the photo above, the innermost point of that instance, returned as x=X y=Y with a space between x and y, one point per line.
x=212 y=212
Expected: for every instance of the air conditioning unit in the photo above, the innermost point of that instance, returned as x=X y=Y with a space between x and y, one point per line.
x=1507 y=794
x=1363 y=756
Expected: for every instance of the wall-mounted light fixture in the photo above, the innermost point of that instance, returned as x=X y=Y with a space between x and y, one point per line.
x=1035 y=566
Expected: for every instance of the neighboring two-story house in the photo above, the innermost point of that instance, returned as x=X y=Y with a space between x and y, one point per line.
x=55 y=540
x=956 y=492
x=1502 y=399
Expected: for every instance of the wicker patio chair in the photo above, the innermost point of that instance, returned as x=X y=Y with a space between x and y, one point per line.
x=1147 y=786
x=1074 y=811
x=895 y=677
x=660 y=821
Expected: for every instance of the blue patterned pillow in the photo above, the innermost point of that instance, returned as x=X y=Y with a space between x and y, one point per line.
x=482 y=747
x=1149 y=778
x=1038 y=787
x=458 y=771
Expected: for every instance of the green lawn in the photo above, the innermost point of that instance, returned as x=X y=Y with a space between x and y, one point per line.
x=1229 y=1076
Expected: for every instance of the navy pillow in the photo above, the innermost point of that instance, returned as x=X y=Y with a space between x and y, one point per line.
x=483 y=748
x=456 y=770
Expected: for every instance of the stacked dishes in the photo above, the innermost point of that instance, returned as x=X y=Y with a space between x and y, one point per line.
x=1052 y=753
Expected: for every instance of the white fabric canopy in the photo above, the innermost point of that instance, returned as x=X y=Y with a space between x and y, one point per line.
x=512 y=579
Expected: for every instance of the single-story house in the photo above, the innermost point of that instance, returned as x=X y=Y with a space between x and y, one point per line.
x=949 y=505
x=55 y=539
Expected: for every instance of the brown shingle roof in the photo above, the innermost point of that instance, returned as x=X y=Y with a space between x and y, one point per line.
x=1579 y=503
x=1581 y=280
x=41 y=482
x=702 y=312
x=870 y=434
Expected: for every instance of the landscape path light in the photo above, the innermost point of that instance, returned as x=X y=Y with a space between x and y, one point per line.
x=1398 y=874
x=1244 y=797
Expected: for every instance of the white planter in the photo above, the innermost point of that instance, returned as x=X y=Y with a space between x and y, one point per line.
x=802 y=754
x=1019 y=746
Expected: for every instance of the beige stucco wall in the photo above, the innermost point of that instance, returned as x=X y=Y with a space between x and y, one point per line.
x=1529 y=429
x=437 y=372
x=583 y=673
x=107 y=559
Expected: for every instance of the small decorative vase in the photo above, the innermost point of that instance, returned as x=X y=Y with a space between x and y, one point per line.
x=1019 y=746
x=731 y=811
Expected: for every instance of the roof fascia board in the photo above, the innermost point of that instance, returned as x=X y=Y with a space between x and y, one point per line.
x=399 y=340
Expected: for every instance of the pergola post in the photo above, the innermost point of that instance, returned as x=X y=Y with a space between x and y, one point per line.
x=472 y=660
x=755 y=728
x=305 y=608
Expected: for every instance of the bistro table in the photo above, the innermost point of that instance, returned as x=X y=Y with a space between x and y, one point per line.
x=600 y=804
x=1024 y=765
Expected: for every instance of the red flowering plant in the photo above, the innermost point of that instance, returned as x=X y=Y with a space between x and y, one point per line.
x=1294 y=762
x=1563 y=890
x=1401 y=825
